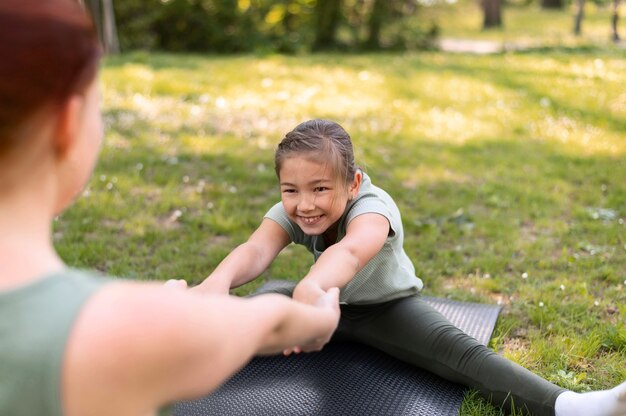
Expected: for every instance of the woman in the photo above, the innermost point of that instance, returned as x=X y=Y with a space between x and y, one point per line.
x=72 y=343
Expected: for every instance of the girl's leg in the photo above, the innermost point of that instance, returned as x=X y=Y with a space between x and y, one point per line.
x=413 y=331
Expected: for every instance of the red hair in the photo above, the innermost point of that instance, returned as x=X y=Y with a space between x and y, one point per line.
x=49 y=51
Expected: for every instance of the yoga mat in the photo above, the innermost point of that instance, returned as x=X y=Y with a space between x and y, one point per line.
x=345 y=379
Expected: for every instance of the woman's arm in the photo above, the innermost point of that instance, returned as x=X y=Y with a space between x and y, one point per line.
x=136 y=347
x=365 y=237
x=247 y=261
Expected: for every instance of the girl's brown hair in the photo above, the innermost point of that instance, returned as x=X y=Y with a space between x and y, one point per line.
x=49 y=51
x=323 y=140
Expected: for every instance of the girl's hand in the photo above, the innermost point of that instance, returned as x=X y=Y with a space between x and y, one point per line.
x=176 y=284
x=294 y=350
x=213 y=286
x=330 y=302
x=308 y=292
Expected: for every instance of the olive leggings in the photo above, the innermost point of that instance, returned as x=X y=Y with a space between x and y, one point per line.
x=413 y=331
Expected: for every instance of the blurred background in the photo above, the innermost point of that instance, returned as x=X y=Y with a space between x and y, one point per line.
x=297 y=26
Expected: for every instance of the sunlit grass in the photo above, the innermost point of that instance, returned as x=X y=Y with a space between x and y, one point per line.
x=388 y=98
x=509 y=170
x=526 y=26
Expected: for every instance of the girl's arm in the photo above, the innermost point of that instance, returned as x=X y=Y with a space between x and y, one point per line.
x=365 y=237
x=247 y=261
x=136 y=347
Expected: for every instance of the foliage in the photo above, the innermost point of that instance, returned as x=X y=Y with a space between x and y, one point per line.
x=201 y=25
x=135 y=20
x=261 y=25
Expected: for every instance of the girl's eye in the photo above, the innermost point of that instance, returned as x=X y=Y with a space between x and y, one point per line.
x=321 y=189
x=289 y=191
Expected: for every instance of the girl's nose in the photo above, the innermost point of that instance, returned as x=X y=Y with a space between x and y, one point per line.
x=306 y=202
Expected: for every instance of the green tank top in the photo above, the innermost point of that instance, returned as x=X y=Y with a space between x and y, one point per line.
x=35 y=323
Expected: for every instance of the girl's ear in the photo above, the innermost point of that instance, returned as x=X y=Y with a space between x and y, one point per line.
x=356 y=184
x=68 y=125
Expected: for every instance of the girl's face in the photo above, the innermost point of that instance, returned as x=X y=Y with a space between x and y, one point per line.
x=311 y=195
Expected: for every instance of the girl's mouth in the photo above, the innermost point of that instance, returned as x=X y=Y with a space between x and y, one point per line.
x=310 y=220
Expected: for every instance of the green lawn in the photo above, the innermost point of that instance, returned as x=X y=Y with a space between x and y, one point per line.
x=526 y=26
x=509 y=169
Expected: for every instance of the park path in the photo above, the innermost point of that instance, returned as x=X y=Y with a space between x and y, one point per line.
x=479 y=47
x=485 y=47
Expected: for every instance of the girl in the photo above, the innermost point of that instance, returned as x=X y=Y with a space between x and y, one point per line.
x=72 y=343
x=354 y=231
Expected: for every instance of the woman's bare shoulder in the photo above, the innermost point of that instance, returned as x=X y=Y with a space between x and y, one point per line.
x=145 y=345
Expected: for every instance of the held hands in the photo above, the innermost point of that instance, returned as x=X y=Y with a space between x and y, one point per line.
x=308 y=292
x=325 y=301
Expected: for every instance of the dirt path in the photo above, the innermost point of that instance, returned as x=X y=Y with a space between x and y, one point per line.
x=479 y=47
x=485 y=47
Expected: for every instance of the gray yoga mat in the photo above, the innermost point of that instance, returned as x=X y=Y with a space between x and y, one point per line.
x=345 y=379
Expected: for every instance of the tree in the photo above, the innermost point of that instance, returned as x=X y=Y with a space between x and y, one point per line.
x=614 y=19
x=578 y=17
x=227 y=26
x=327 y=14
x=492 y=14
x=580 y=14
x=385 y=24
x=377 y=17
x=551 y=4
x=104 y=19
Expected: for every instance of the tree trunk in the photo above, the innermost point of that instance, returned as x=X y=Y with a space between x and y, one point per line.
x=327 y=13
x=93 y=7
x=102 y=13
x=614 y=19
x=375 y=23
x=109 y=29
x=578 y=18
x=551 y=4
x=492 y=14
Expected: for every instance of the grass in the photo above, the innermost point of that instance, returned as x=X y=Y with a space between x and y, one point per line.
x=509 y=170
x=527 y=26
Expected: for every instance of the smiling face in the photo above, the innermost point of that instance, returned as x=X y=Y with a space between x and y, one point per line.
x=311 y=195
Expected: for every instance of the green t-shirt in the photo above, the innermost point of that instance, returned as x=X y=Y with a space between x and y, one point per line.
x=35 y=323
x=387 y=276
